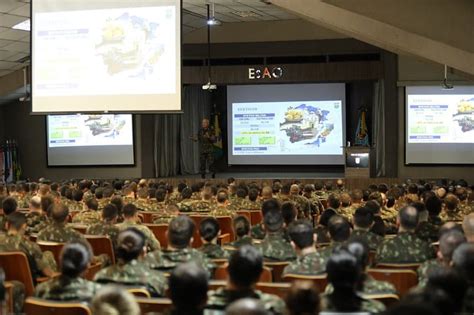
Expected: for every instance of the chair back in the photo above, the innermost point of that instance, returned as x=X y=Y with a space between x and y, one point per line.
x=413 y=266
x=278 y=289
x=154 y=305
x=34 y=306
x=53 y=247
x=221 y=273
x=256 y=217
x=139 y=292
x=276 y=268
x=320 y=281
x=225 y=223
x=17 y=268
x=159 y=230
x=387 y=299
x=147 y=216
x=402 y=279
x=89 y=274
x=101 y=244
x=245 y=213
x=81 y=228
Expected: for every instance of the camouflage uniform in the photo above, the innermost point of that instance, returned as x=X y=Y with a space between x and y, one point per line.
x=105 y=229
x=373 y=240
x=327 y=251
x=370 y=287
x=143 y=204
x=456 y=215
x=213 y=251
x=221 y=211
x=102 y=203
x=164 y=218
x=465 y=208
x=186 y=205
x=18 y=296
x=346 y=212
x=59 y=232
x=151 y=241
x=134 y=273
x=202 y=205
x=206 y=149
x=389 y=215
x=322 y=234
x=274 y=247
x=87 y=217
x=310 y=264
x=158 y=206
x=404 y=248
x=166 y=260
x=64 y=288
x=222 y=297
x=426 y=268
x=251 y=205
x=245 y=240
x=173 y=198
x=33 y=222
x=75 y=206
x=257 y=231
x=429 y=230
x=196 y=195
x=302 y=205
x=237 y=204
x=367 y=306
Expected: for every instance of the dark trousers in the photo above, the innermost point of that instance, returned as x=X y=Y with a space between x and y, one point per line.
x=206 y=158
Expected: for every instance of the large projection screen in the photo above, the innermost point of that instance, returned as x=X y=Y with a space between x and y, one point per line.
x=81 y=140
x=439 y=125
x=106 y=56
x=286 y=124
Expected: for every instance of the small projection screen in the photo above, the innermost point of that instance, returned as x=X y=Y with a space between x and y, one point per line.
x=286 y=124
x=103 y=55
x=80 y=140
x=439 y=125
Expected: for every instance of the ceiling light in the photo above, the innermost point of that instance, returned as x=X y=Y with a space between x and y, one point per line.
x=211 y=16
x=23 y=26
x=213 y=21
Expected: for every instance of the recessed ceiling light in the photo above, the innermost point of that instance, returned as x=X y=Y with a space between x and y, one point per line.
x=23 y=26
x=246 y=14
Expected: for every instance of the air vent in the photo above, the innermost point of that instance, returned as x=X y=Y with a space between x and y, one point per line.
x=246 y=14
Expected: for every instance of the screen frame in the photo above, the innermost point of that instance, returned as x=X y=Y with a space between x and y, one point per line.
x=405 y=139
x=131 y=111
x=134 y=164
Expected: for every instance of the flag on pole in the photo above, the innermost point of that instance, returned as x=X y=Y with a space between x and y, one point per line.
x=362 y=132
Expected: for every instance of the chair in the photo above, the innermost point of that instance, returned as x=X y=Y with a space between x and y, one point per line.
x=53 y=247
x=225 y=223
x=139 y=292
x=154 y=305
x=91 y=271
x=34 y=306
x=320 y=281
x=197 y=218
x=223 y=239
x=245 y=213
x=9 y=296
x=413 y=266
x=81 y=228
x=147 y=216
x=101 y=245
x=16 y=267
x=256 y=217
x=276 y=268
x=403 y=280
x=221 y=273
x=159 y=230
x=387 y=299
x=278 y=289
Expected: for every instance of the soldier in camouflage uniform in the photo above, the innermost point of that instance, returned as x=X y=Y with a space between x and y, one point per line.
x=90 y=215
x=209 y=231
x=222 y=208
x=206 y=138
x=237 y=203
x=451 y=210
x=35 y=217
x=302 y=203
x=346 y=210
x=406 y=247
x=206 y=203
x=131 y=271
x=245 y=267
x=252 y=203
x=186 y=203
x=241 y=227
x=274 y=246
x=363 y=221
x=429 y=230
x=159 y=205
x=314 y=202
x=339 y=232
x=165 y=217
x=69 y=286
x=180 y=233
x=462 y=262
x=57 y=231
x=308 y=260
x=143 y=203
x=107 y=226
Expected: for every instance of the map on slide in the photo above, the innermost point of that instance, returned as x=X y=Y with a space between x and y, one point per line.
x=287 y=128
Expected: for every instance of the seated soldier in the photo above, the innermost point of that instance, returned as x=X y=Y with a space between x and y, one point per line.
x=468 y=227
x=56 y=230
x=346 y=210
x=9 y=205
x=130 y=270
x=241 y=227
x=274 y=246
x=303 y=298
x=160 y=204
x=113 y=300
x=258 y=231
x=238 y=201
x=363 y=220
x=166 y=215
x=69 y=286
x=308 y=260
x=448 y=242
x=209 y=230
x=451 y=211
x=379 y=226
x=107 y=227
x=222 y=206
x=143 y=203
x=180 y=237
x=130 y=216
x=186 y=203
x=344 y=274
x=41 y=264
x=321 y=230
x=252 y=203
x=339 y=232
x=406 y=247
x=289 y=213
x=429 y=231
x=186 y=278
x=35 y=216
x=206 y=203
x=367 y=285
x=245 y=267
x=463 y=262
x=89 y=215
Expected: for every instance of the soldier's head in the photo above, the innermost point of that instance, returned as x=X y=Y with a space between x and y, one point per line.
x=377 y=196
x=408 y=219
x=246 y=306
x=130 y=244
x=360 y=249
x=340 y=183
x=142 y=193
x=451 y=202
x=186 y=193
x=343 y=270
x=205 y=123
x=289 y=212
x=241 y=192
x=241 y=226
x=421 y=209
x=270 y=205
x=433 y=205
x=108 y=192
x=334 y=202
x=35 y=204
x=463 y=260
x=92 y=204
x=294 y=189
x=222 y=197
x=468 y=227
x=363 y=218
x=9 y=205
x=374 y=206
x=77 y=195
x=448 y=243
x=339 y=229
x=16 y=222
x=188 y=277
x=301 y=234
x=245 y=267
x=118 y=202
x=58 y=212
x=180 y=232
x=273 y=221
x=267 y=193
x=303 y=298
x=114 y=300
x=207 y=193
x=75 y=258
x=209 y=230
x=160 y=195
x=130 y=211
x=46 y=202
x=253 y=194
x=110 y=213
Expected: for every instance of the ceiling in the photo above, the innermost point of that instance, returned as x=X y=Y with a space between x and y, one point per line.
x=15 y=44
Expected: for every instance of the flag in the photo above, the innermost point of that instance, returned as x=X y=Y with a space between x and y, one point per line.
x=218 y=148
x=2 y=163
x=362 y=133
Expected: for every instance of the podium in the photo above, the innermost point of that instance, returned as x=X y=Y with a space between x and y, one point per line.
x=357 y=162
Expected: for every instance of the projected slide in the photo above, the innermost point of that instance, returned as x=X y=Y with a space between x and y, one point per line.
x=120 y=57
x=276 y=128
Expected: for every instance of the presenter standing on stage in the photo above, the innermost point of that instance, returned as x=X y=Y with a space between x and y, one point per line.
x=206 y=138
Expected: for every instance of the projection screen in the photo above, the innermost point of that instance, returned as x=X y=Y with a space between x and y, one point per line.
x=103 y=55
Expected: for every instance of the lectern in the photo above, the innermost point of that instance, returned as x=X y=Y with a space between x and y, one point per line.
x=357 y=162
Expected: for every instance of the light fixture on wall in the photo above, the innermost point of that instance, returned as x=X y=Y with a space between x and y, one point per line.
x=209 y=86
x=211 y=18
x=445 y=85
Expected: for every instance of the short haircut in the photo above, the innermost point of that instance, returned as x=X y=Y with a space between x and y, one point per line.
x=180 y=231
x=160 y=195
x=58 y=212
x=303 y=298
x=245 y=266
x=222 y=197
x=339 y=229
x=241 y=226
x=9 y=205
x=343 y=271
x=209 y=229
x=326 y=216
x=99 y=193
x=75 y=258
x=108 y=192
x=142 y=193
x=241 y=193
x=448 y=242
x=345 y=200
x=301 y=233
x=333 y=201
x=285 y=189
x=16 y=220
x=129 y=210
x=373 y=205
x=118 y=202
x=46 y=202
x=35 y=202
x=253 y=194
x=77 y=195
x=270 y=205
x=360 y=249
x=92 y=204
x=186 y=193
x=130 y=243
x=363 y=217
x=463 y=260
x=433 y=205
x=273 y=221
x=113 y=300
x=377 y=196
x=357 y=194
x=247 y=306
x=408 y=218
x=109 y=212
x=451 y=202
x=288 y=211
x=186 y=278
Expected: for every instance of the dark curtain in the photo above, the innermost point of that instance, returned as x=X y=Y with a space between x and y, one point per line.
x=174 y=150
